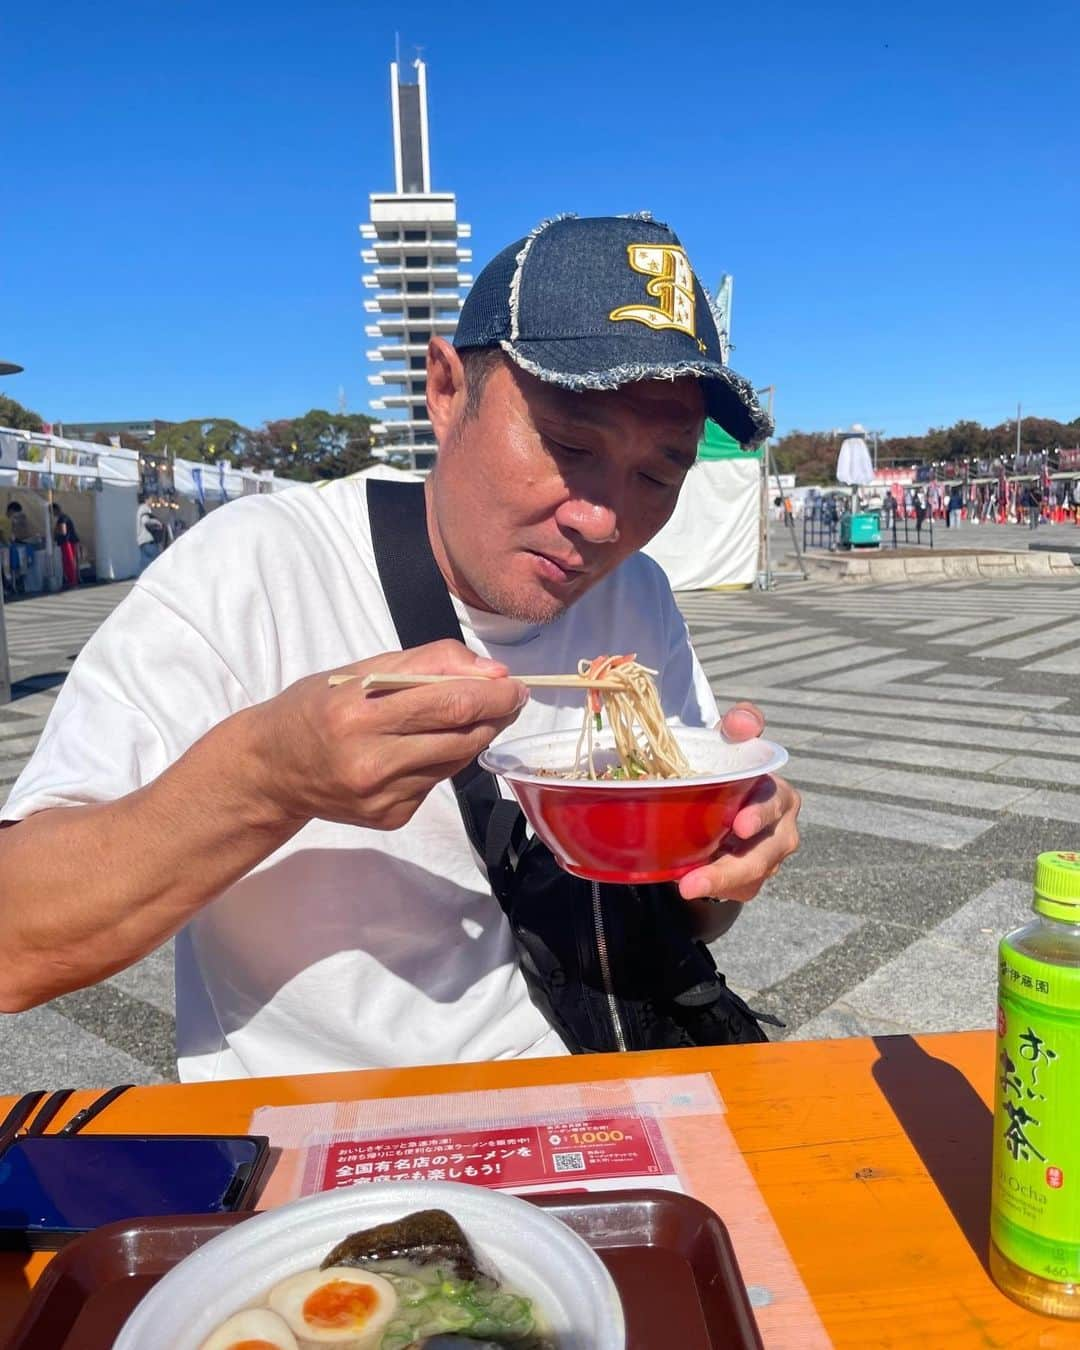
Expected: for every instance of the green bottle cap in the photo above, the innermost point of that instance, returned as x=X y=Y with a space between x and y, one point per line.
x=1057 y=886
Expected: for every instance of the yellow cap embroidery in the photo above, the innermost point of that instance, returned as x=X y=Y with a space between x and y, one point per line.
x=672 y=284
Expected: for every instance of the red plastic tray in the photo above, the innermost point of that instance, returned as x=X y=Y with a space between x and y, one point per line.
x=669 y=1255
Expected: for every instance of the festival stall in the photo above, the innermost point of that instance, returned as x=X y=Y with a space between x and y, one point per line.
x=98 y=486
x=95 y=485
x=712 y=538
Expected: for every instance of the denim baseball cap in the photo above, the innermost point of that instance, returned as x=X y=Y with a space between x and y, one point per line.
x=597 y=302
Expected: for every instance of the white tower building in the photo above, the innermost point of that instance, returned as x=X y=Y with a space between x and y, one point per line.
x=415 y=279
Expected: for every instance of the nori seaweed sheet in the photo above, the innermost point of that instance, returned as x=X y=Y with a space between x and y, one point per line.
x=428 y=1237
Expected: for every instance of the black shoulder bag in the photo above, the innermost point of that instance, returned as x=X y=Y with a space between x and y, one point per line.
x=610 y=967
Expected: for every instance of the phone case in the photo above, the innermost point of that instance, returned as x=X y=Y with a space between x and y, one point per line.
x=54 y=1188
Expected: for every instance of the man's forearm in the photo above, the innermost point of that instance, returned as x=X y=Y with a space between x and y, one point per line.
x=88 y=890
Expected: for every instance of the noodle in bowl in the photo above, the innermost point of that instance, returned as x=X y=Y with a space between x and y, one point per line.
x=632 y=830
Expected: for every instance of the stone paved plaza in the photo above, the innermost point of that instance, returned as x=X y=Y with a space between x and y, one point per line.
x=934 y=732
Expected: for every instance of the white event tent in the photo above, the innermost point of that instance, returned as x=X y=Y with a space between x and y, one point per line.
x=713 y=536
x=98 y=487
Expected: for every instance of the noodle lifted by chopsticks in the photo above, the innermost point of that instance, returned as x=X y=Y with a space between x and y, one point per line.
x=643 y=739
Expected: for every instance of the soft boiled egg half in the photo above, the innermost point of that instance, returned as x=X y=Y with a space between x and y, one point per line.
x=336 y=1306
x=252 y=1329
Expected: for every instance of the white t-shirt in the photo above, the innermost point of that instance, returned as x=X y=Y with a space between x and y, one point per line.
x=347 y=948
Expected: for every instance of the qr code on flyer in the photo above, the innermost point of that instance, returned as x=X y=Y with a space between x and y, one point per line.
x=569 y=1162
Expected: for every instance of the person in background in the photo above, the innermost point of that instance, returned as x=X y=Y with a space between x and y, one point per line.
x=21 y=541
x=21 y=533
x=919 y=504
x=148 y=533
x=1035 y=500
x=956 y=502
x=67 y=540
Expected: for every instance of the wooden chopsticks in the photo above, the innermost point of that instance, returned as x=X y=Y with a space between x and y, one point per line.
x=389 y=680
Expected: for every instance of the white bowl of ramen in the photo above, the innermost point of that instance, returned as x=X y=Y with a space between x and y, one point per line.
x=531 y=1252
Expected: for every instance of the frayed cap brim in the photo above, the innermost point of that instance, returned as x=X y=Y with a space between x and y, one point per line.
x=730 y=399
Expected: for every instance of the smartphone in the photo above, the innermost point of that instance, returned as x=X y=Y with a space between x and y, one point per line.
x=53 y=1187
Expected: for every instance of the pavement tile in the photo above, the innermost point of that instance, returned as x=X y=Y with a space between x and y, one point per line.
x=841 y=654
x=1038 y=644
x=981 y=698
x=20 y=747
x=151 y=980
x=829 y=975
x=772 y=938
x=924 y=709
x=776 y=651
x=964 y=681
x=43 y=1049
x=780 y=712
x=1051 y=772
x=1000 y=908
x=938 y=787
x=931 y=987
x=143 y=1032
x=987 y=635
x=33 y=705
x=930 y=787
x=828 y=772
x=710 y=646
x=18 y=727
x=913 y=753
x=880 y=673
x=946 y=981
x=1064 y=663
x=1050 y=805
x=840 y=1020
x=881 y=820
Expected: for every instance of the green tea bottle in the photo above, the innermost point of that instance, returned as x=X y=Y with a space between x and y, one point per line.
x=1035 y=1201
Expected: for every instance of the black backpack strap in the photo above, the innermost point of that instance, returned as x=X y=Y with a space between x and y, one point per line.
x=422 y=611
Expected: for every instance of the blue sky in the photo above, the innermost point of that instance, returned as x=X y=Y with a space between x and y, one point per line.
x=894 y=187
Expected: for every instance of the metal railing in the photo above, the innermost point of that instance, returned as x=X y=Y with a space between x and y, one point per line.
x=915 y=534
x=822 y=529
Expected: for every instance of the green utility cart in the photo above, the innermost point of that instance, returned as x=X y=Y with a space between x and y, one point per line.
x=862 y=529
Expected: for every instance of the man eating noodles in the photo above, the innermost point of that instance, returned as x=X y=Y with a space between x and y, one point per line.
x=200 y=777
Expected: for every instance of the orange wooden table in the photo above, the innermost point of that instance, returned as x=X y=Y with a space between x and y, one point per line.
x=873 y=1157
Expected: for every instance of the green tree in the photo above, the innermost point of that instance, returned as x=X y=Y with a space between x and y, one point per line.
x=810 y=455
x=319 y=445
x=208 y=439
x=14 y=415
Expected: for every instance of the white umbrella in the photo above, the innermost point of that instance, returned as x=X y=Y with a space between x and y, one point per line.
x=853 y=464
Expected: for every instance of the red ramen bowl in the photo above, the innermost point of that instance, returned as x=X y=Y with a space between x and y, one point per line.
x=642 y=830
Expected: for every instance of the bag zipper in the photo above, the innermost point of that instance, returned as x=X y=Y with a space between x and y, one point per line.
x=605 y=968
